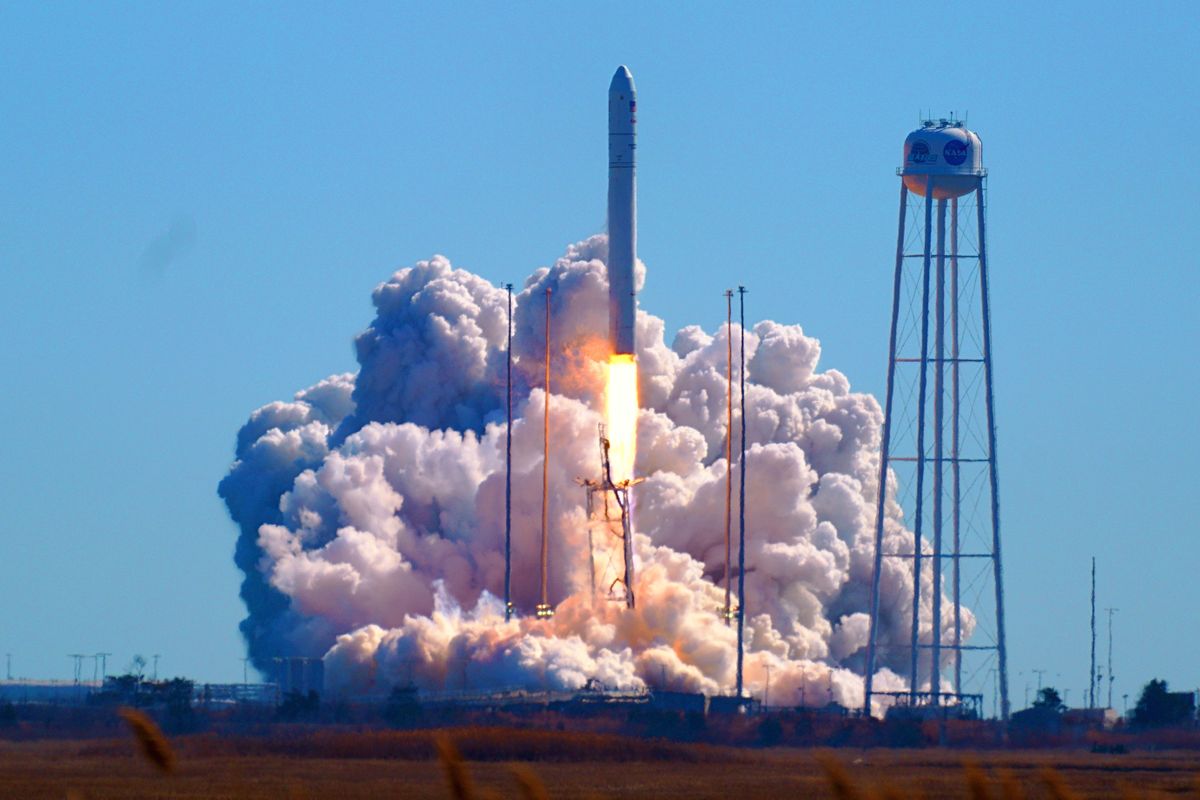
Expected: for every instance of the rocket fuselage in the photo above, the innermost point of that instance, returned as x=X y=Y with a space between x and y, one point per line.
x=622 y=210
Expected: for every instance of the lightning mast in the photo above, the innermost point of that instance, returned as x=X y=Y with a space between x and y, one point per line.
x=741 y=609
x=544 y=609
x=508 y=606
x=728 y=612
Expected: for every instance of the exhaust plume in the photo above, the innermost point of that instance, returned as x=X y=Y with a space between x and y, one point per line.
x=371 y=507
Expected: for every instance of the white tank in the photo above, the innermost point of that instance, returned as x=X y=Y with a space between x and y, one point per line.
x=948 y=152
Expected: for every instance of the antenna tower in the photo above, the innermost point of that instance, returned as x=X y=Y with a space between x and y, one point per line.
x=1092 y=673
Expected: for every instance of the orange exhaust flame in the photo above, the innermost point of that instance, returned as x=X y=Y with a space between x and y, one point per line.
x=621 y=409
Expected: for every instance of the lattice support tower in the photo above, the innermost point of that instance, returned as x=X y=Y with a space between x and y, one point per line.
x=939 y=429
x=604 y=486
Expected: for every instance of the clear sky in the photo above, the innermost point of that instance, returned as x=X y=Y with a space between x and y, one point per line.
x=197 y=199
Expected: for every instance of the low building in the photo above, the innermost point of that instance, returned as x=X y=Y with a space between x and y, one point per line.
x=727 y=704
x=299 y=675
x=691 y=702
x=1093 y=719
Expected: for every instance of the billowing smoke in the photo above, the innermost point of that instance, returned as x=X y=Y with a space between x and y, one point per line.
x=371 y=507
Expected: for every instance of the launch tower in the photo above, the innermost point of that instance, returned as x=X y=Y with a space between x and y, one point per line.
x=939 y=435
x=604 y=518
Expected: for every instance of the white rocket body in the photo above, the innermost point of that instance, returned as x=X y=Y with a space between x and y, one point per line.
x=622 y=210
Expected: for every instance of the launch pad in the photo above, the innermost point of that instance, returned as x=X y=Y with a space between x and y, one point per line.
x=604 y=486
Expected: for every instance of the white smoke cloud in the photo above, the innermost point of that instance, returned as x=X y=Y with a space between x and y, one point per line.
x=371 y=507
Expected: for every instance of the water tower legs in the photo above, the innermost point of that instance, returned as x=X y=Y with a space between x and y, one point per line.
x=953 y=498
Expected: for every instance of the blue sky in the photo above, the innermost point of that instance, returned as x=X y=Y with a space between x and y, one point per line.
x=197 y=199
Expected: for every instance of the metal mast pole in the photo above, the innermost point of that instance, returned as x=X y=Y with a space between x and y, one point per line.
x=884 y=448
x=935 y=668
x=1092 y=673
x=543 y=609
x=924 y=361
x=997 y=565
x=1110 y=611
x=728 y=453
x=955 y=445
x=508 y=606
x=742 y=494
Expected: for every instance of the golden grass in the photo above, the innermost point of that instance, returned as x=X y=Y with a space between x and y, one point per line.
x=839 y=779
x=151 y=742
x=976 y=780
x=311 y=766
x=1010 y=789
x=529 y=784
x=475 y=743
x=1055 y=785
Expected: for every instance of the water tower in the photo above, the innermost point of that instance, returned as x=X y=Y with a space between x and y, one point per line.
x=939 y=438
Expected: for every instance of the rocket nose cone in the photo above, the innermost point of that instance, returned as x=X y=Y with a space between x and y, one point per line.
x=622 y=81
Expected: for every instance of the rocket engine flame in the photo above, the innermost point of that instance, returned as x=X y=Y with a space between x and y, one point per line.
x=621 y=412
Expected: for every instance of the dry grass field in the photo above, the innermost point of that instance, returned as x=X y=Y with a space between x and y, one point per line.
x=532 y=764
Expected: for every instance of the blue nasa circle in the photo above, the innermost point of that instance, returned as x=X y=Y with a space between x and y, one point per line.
x=919 y=152
x=955 y=152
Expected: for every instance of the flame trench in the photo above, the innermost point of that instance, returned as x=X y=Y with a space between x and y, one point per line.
x=621 y=409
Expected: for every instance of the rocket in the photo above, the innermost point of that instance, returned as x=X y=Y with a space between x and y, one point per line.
x=622 y=210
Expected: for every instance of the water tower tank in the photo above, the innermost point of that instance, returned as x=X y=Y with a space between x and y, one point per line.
x=948 y=152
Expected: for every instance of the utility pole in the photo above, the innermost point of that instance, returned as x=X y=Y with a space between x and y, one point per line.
x=8 y=665
x=78 y=658
x=1039 y=673
x=1110 y=611
x=103 y=664
x=245 y=671
x=155 y=678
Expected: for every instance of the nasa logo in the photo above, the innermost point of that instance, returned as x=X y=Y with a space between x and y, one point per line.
x=919 y=152
x=955 y=152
